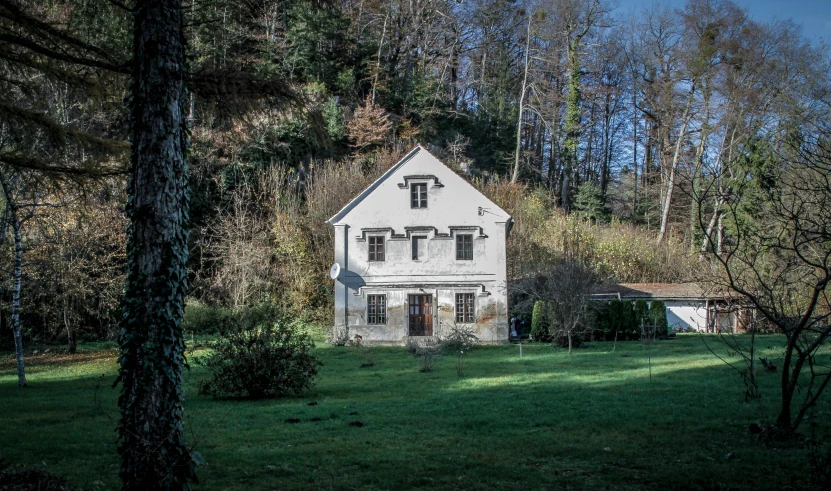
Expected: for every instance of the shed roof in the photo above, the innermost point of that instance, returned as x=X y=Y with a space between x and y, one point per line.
x=657 y=291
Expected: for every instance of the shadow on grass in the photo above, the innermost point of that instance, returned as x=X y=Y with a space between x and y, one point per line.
x=548 y=420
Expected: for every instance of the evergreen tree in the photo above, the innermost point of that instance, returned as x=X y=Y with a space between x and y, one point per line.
x=641 y=315
x=590 y=203
x=539 y=324
x=658 y=316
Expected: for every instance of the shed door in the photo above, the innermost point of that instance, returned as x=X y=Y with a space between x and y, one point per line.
x=421 y=315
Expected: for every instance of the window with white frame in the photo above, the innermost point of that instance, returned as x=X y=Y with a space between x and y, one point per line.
x=376 y=309
x=464 y=308
x=376 y=248
x=464 y=247
x=418 y=195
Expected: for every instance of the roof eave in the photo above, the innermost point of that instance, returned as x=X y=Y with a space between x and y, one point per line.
x=363 y=194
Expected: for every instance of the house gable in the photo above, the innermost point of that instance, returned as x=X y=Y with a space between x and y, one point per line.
x=451 y=200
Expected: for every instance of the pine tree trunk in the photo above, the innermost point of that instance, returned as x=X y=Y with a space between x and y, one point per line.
x=17 y=275
x=152 y=445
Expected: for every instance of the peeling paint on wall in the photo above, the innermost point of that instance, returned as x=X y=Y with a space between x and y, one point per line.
x=384 y=211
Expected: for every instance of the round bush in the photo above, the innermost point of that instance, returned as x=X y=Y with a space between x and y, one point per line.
x=264 y=355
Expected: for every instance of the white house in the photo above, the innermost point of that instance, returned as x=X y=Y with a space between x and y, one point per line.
x=418 y=251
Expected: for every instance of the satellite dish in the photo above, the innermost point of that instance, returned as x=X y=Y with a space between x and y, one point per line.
x=334 y=271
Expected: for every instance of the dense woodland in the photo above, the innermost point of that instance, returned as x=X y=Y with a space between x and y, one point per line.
x=621 y=137
x=156 y=151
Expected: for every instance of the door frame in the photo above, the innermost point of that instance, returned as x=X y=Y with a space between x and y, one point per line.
x=424 y=304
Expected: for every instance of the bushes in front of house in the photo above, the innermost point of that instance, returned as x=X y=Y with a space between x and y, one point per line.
x=539 y=324
x=261 y=353
x=658 y=317
x=622 y=319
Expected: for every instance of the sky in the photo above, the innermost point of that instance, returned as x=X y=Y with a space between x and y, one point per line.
x=813 y=15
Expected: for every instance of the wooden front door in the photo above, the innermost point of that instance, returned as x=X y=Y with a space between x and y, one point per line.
x=421 y=315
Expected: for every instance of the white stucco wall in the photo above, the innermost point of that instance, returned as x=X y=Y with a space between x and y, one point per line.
x=453 y=207
x=687 y=313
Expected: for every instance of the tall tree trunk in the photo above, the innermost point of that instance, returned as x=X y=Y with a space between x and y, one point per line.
x=673 y=165
x=572 y=121
x=154 y=454
x=635 y=155
x=515 y=173
x=17 y=275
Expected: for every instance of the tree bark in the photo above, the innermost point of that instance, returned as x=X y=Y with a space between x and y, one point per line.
x=673 y=165
x=515 y=173
x=572 y=123
x=152 y=445
x=17 y=275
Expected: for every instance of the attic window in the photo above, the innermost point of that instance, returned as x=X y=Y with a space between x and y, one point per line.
x=418 y=195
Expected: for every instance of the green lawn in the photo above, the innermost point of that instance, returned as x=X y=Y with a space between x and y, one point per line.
x=544 y=421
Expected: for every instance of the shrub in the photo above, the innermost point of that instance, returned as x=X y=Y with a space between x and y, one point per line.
x=641 y=313
x=201 y=318
x=427 y=350
x=539 y=324
x=617 y=319
x=658 y=315
x=461 y=337
x=265 y=354
x=561 y=340
x=27 y=479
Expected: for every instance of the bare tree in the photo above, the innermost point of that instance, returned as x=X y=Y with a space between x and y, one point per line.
x=778 y=256
x=565 y=288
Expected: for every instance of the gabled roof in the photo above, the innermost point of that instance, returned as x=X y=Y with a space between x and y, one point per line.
x=416 y=152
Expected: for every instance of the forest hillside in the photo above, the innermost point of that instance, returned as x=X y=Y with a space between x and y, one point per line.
x=622 y=138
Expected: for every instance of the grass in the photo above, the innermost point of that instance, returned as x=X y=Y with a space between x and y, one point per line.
x=544 y=421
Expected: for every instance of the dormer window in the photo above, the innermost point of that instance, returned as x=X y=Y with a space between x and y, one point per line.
x=418 y=195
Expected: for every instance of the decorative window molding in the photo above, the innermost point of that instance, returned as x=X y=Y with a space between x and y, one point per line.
x=390 y=233
x=424 y=177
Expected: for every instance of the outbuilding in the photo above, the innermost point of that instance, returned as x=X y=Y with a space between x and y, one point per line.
x=690 y=307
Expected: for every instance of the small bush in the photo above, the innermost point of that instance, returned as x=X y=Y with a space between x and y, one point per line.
x=338 y=336
x=658 y=316
x=265 y=354
x=427 y=350
x=539 y=324
x=201 y=318
x=24 y=479
x=411 y=345
x=461 y=337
